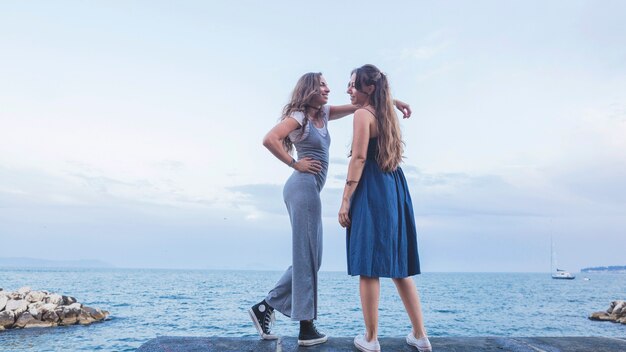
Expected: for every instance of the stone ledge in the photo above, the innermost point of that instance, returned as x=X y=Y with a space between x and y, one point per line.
x=336 y=344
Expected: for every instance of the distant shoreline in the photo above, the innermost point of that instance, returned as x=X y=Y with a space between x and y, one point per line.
x=23 y=262
x=38 y=263
x=603 y=269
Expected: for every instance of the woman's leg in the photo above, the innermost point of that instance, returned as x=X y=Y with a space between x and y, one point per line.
x=369 y=288
x=410 y=298
x=307 y=253
x=299 y=284
x=279 y=297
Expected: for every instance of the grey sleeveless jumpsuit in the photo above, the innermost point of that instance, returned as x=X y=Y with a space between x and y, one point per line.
x=295 y=293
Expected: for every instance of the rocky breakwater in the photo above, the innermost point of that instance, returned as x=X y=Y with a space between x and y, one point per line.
x=616 y=313
x=25 y=308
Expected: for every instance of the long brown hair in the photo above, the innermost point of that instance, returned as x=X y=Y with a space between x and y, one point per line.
x=390 y=144
x=306 y=88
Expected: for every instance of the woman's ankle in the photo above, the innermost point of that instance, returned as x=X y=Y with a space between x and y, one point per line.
x=419 y=333
x=371 y=336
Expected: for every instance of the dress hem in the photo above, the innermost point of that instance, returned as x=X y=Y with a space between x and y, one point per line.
x=386 y=275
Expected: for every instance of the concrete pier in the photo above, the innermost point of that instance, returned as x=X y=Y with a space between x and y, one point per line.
x=440 y=344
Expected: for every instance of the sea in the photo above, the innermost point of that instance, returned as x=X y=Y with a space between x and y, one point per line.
x=147 y=303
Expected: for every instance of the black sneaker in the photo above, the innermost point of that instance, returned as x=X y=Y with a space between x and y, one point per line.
x=262 y=315
x=309 y=336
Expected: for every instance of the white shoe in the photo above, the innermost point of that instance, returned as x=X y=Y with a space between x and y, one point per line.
x=366 y=346
x=422 y=344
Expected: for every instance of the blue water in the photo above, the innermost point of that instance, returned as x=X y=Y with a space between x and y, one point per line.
x=147 y=303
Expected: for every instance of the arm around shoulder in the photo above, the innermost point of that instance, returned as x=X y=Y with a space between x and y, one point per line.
x=339 y=111
x=404 y=108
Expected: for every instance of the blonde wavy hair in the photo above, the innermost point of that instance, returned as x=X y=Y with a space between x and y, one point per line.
x=306 y=88
x=390 y=144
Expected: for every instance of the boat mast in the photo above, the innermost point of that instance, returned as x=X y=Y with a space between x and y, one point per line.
x=551 y=255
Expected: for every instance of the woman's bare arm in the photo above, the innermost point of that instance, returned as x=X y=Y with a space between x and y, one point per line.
x=273 y=141
x=360 y=140
x=339 y=111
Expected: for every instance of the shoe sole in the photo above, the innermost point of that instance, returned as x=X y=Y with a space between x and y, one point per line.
x=363 y=348
x=258 y=327
x=312 y=342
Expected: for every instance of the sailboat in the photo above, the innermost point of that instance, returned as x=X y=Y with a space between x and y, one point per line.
x=559 y=273
x=562 y=274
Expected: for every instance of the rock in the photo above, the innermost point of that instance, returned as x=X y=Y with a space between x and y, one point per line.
x=3 y=302
x=7 y=319
x=50 y=316
x=23 y=290
x=75 y=306
x=39 y=324
x=601 y=316
x=96 y=313
x=26 y=308
x=617 y=307
x=615 y=313
x=84 y=318
x=24 y=319
x=35 y=310
x=70 y=315
x=69 y=320
x=67 y=300
x=35 y=305
x=17 y=306
x=54 y=299
x=49 y=307
x=35 y=296
x=36 y=313
x=60 y=312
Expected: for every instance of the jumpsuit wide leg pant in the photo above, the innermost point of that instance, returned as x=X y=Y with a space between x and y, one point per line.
x=295 y=293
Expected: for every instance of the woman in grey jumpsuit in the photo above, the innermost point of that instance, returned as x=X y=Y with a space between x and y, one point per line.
x=304 y=125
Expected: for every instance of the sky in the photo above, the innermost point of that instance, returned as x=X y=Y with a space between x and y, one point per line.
x=131 y=131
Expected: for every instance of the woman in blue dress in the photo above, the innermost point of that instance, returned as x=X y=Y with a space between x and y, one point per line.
x=377 y=211
x=303 y=125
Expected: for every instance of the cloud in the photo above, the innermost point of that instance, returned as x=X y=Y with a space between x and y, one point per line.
x=264 y=198
x=339 y=161
x=106 y=185
x=268 y=199
x=600 y=183
x=462 y=194
x=87 y=187
x=445 y=194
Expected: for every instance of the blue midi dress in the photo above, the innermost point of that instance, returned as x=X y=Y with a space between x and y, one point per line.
x=381 y=240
